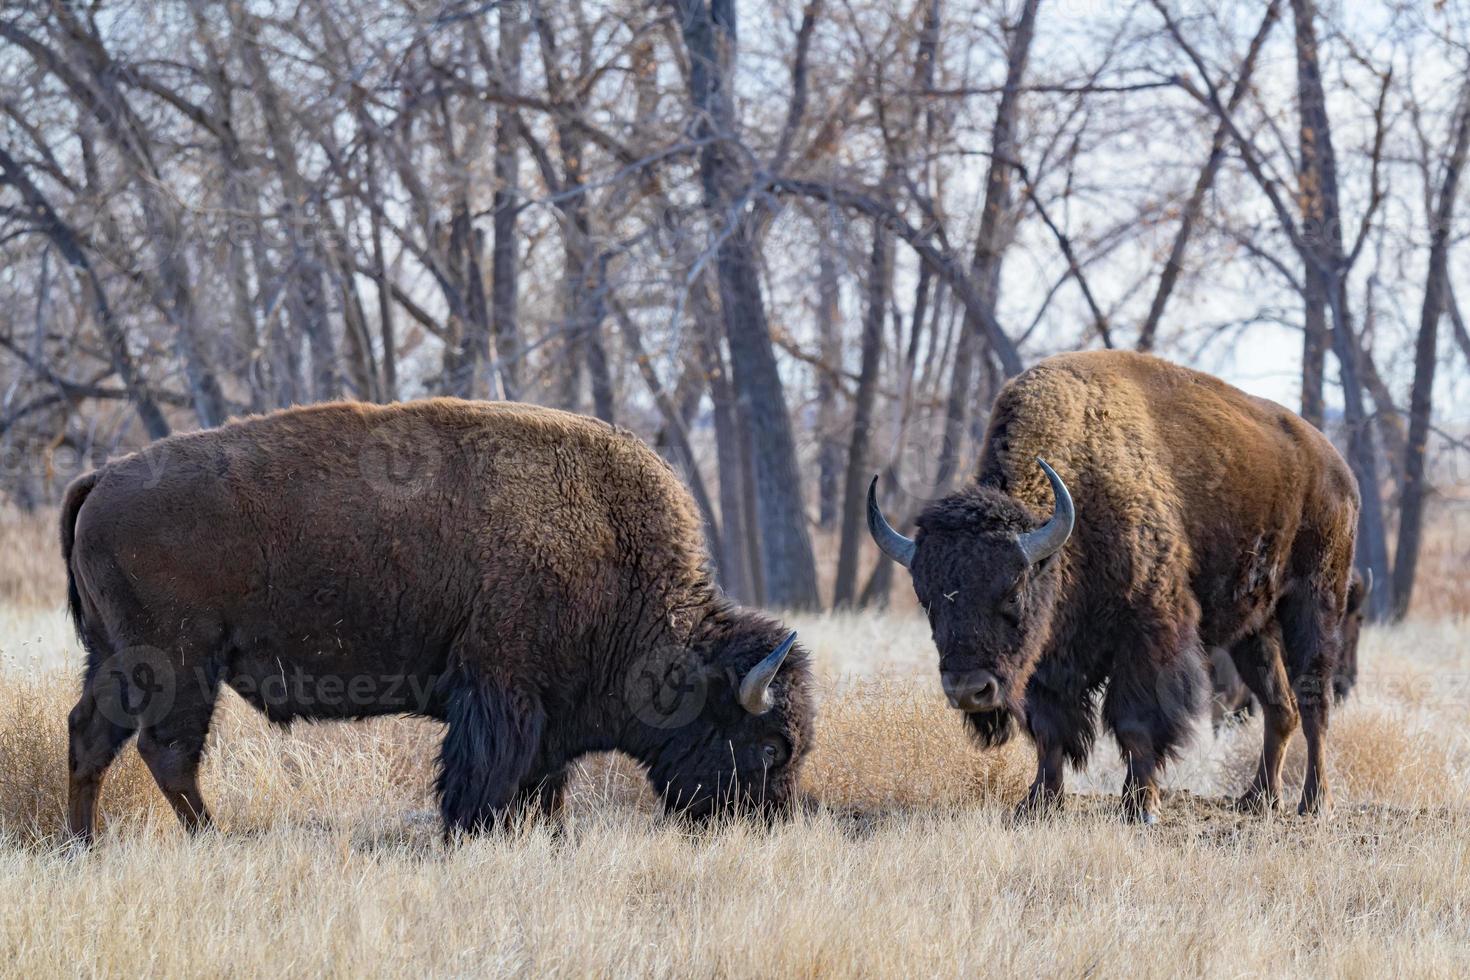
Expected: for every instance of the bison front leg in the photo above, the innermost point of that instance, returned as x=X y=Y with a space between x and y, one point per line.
x=172 y=749
x=1155 y=691
x=1045 y=797
x=543 y=794
x=1060 y=723
x=492 y=737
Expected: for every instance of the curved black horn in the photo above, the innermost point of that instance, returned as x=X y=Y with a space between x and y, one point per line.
x=1048 y=539
x=755 y=689
x=890 y=542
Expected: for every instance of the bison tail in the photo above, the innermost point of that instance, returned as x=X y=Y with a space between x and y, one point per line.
x=71 y=505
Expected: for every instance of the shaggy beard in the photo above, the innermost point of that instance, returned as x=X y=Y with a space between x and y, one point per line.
x=991 y=729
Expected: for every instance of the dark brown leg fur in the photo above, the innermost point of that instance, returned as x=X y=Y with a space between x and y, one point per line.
x=1262 y=666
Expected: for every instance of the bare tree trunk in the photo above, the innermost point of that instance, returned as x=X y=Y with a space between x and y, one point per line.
x=740 y=561
x=1363 y=457
x=466 y=364
x=1457 y=320
x=880 y=583
x=788 y=569
x=91 y=75
x=673 y=425
x=989 y=244
x=1387 y=417
x=1411 y=513
x=599 y=373
x=386 y=333
x=829 y=451
x=1314 y=346
x=361 y=366
x=505 y=252
x=583 y=304
x=241 y=196
x=306 y=294
x=1315 y=160
x=1322 y=232
x=880 y=277
x=920 y=128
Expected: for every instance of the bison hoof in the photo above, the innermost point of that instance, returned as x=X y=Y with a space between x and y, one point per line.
x=1144 y=818
x=1258 y=802
x=1319 y=807
x=1037 y=806
x=1145 y=814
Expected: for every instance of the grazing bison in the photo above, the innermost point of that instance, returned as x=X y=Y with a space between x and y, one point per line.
x=1233 y=701
x=1203 y=517
x=536 y=580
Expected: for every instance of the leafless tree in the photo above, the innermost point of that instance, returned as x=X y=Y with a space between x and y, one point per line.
x=792 y=245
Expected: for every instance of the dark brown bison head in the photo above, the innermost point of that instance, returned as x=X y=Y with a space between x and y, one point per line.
x=730 y=721
x=982 y=569
x=1346 y=674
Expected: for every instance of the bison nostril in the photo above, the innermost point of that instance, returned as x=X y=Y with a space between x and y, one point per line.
x=976 y=691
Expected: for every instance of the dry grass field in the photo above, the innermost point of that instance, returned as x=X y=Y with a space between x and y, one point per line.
x=328 y=860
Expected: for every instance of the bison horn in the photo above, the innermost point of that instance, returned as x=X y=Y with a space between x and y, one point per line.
x=755 y=689
x=890 y=542
x=1367 y=585
x=1048 y=539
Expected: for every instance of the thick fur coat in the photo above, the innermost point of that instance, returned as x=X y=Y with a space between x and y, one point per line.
x=536 y=579
x=1205 y=517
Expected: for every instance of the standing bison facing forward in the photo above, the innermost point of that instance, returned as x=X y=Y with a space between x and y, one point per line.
x=536 y=580
x=1203 y=517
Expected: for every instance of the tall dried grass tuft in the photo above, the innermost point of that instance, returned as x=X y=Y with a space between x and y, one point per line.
x=894 y=744
x=31 y=572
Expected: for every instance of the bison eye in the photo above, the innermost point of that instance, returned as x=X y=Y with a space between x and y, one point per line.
x=1010 y=603
x=773 y=751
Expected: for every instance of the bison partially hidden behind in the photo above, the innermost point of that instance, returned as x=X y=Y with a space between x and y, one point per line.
x=1203 y=517
x=1231 y=700
x=534 y=579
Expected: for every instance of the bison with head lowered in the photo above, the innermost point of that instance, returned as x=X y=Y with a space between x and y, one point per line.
x=536 y=580
x=1182 y=514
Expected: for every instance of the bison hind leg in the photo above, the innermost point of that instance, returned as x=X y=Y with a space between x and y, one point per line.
x=1262 y=667
x=95 y=736
x=491 y=739
x=1309 y=626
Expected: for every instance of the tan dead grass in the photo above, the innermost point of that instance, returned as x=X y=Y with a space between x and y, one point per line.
x=328 y=861
x=31 y=572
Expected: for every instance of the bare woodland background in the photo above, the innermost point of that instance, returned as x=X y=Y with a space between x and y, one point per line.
x=791 y=245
